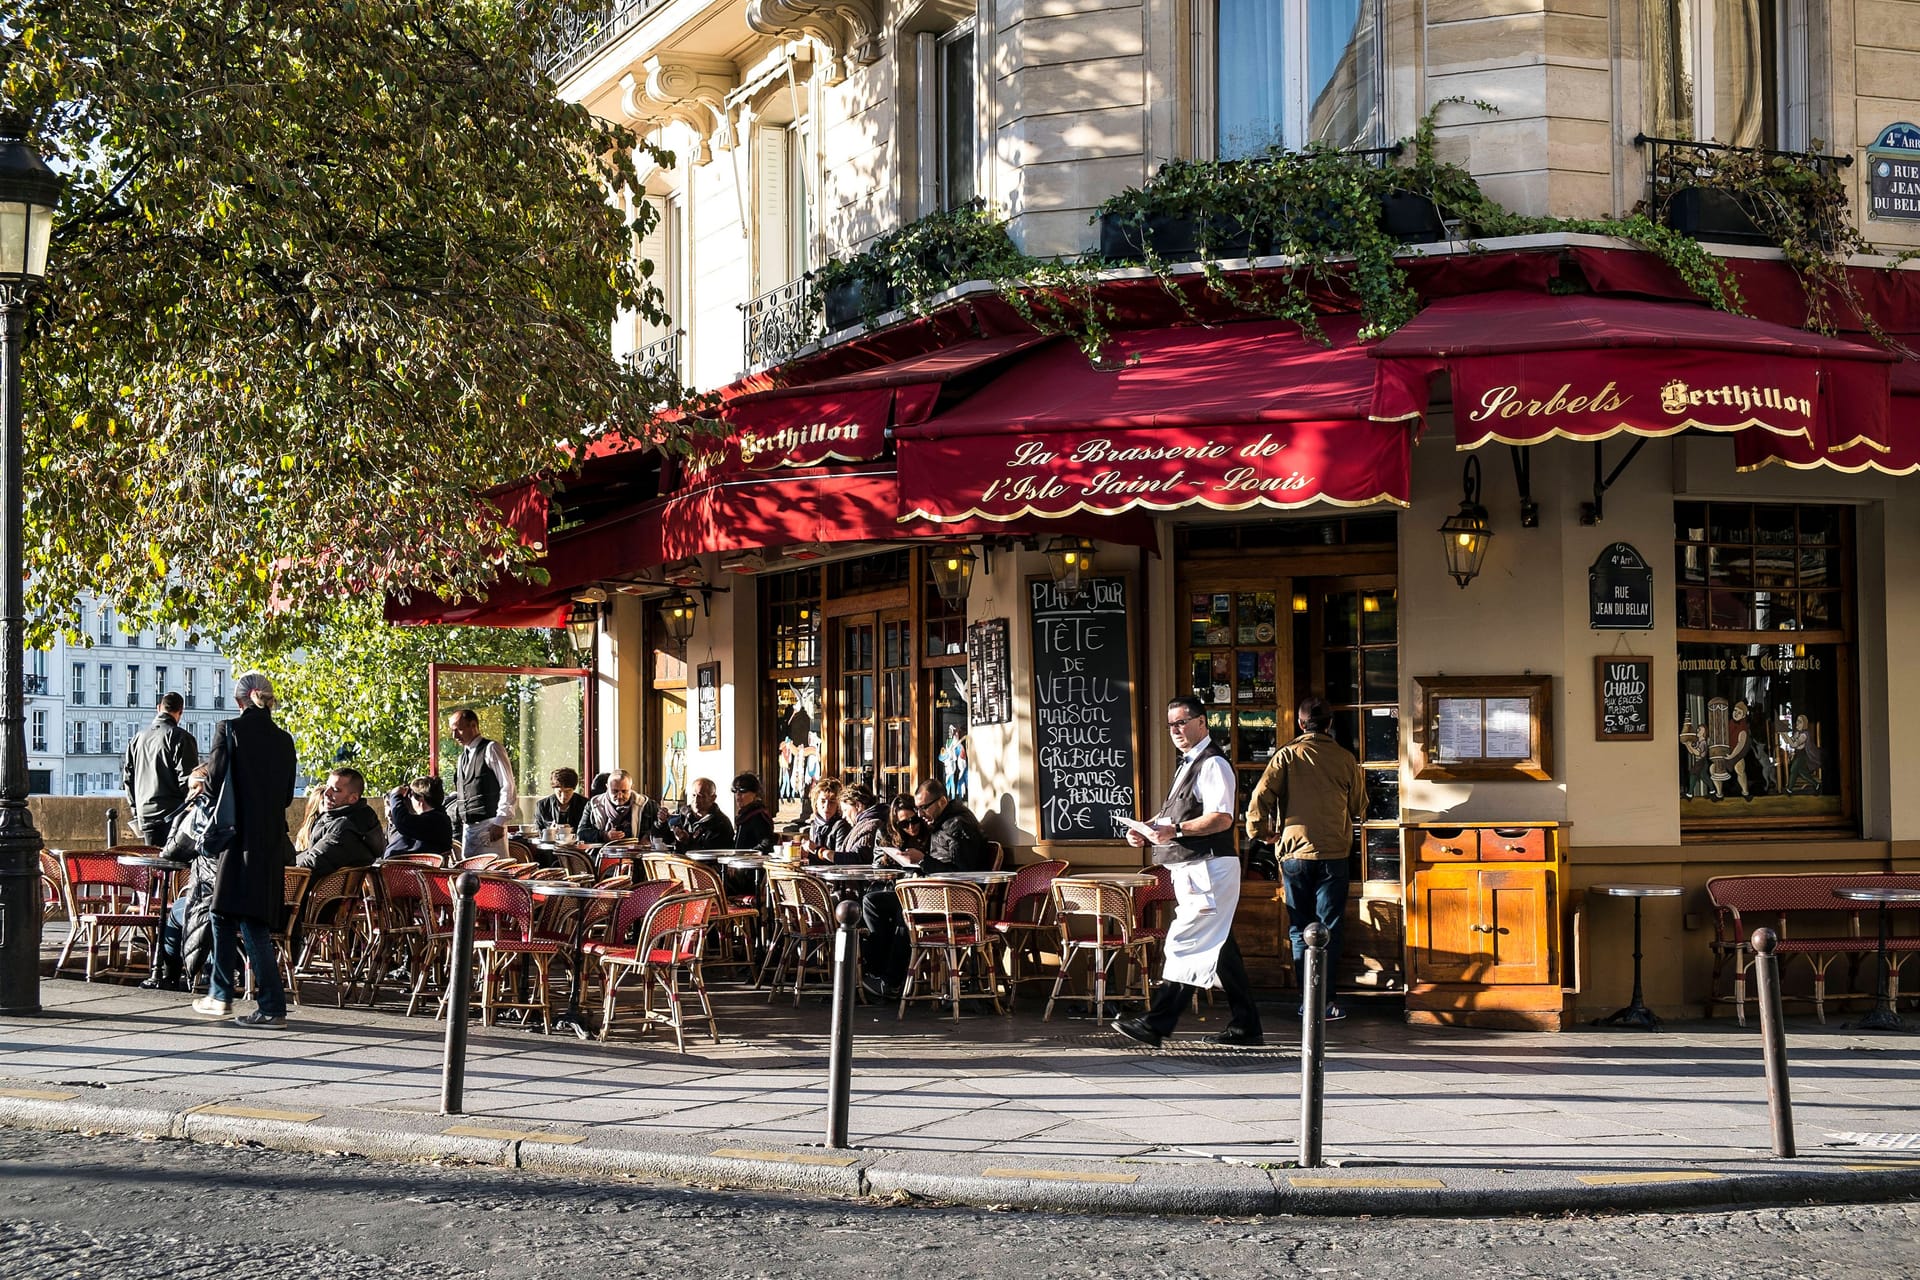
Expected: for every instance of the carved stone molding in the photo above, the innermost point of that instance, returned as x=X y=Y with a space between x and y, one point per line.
x=685 y=87
x=851 y=30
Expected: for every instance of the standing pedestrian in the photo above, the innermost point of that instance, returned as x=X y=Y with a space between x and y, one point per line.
x=157 y=770
x=485 y=795
x=1193 y=839
x=253 y=758
x=1316 y=790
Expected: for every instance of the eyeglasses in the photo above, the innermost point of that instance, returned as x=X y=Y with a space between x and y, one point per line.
x=922 y=807
x=1177 y=725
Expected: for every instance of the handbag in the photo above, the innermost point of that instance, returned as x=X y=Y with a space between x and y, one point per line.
x=218 y=834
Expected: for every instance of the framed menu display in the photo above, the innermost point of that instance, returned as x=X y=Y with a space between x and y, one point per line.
x=707 y=705
x=1483 y=728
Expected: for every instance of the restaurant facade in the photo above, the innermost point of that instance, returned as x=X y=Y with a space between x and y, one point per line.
x=1604 y=584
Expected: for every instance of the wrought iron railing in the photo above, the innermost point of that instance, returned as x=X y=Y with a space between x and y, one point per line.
x=32 y=683
x=583 y=29
x=1683 y=192
x=777 y=323
x=660 y=359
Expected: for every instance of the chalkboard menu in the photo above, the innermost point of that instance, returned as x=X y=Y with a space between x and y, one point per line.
x=989 y=672
x=1623 y=699
x=707 y=704
x=1620 y=590
x=1083 y=708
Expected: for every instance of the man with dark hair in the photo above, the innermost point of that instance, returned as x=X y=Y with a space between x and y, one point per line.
x=1316 y=790
x=485 y=793
x=158 y=764
x=954 y=839
x=346 y=831
x=1193 y=839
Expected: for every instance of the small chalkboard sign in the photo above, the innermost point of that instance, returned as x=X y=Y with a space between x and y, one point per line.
x=1083 y=708
x=1623 y=699
x=1620 y=590
x=989 y=672
x=707 y=705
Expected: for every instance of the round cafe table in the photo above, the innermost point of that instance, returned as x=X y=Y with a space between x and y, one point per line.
x=1124 y=879
x=1636 y=1013
x=166 y=867
x=971 y=877
x=571 y=1019
x=1885 y=1017
x=849 y=882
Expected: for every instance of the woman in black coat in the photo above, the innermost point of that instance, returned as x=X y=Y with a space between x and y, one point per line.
x=254 y=759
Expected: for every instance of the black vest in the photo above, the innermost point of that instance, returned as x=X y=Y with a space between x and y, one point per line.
x=476 y=786
x=1183 y=805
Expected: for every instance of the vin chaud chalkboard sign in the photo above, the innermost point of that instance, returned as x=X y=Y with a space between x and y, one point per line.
x=1623 y=699
x=1083 y=708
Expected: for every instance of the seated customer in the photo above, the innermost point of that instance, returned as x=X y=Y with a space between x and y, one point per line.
x=566 y=806
x=827 y=833
x=752 y=820
x=954 y=839
x=346 y=832
x=417 y=819
x=618 y=813
x=906 y=829
x=705 y=827
x=867 y=828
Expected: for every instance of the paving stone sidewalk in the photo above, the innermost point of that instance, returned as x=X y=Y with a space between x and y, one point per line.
x=1010 y=1109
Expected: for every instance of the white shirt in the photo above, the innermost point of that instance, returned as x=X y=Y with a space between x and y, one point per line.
x=509 y=792
x=1215 y=785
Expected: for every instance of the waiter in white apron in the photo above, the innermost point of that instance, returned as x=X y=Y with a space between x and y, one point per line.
x=1193 y=839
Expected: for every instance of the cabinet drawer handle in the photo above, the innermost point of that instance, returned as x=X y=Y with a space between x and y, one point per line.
x=1483 y=928
x=1447 y=848
x=1516 y=848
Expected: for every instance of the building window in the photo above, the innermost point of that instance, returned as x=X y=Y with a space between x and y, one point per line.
x=1732 y=71
x=219 y=687
x=38 y=731
x=133 y=684
x=1765 y=665
x=106 y=736
x=783 y=204
x=77 y=686
x=1286 y=73
x=159 y=683
x=949 y=119
x=106 y=625
x=106 y=684
x=79 y=739
x=192 y=694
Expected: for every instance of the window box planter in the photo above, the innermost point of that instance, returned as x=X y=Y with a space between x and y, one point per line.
x=848 y=302
x=1411 y=218
x=1712 y=215
x=1176 y=238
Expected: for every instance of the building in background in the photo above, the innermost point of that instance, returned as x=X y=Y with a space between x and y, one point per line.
x=85 y=702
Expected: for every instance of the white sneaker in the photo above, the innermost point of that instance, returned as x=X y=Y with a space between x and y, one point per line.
x=208 y=1007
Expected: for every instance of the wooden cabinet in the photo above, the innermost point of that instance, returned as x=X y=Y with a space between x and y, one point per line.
x=1483 y=936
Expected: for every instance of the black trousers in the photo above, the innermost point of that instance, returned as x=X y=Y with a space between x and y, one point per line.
x=1170 y=999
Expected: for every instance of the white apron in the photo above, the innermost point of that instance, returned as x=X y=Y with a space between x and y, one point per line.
x=1206 y=891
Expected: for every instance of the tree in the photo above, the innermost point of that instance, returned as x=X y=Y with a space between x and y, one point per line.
x=326 y=270
x=358 y=695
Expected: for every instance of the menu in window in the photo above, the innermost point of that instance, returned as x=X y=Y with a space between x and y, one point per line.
x=1509 y=733
x=988 y=672
x=1459 y=733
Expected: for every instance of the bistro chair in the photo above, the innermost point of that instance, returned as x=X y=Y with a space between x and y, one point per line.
x=332 y=932
x=577 y=865
x=1027 y=918
x=435 y=905
x=53 y=887
x=1153 y=908
x=108 y=905
x=997 y=856
x=419 y=859
x=803 y=930
x=394 y=903
x=1096 y=921
x=285 y=931
x=515 y=937
x=667 y=953
x=736 y=921
x=951 y=945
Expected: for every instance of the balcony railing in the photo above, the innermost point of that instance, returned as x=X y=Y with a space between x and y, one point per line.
x=660 y=359
x=777 y=323
x=31 y=683
x=1686 y=188
x=582 y=30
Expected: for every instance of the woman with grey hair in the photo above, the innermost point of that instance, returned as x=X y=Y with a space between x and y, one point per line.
x=254 y=760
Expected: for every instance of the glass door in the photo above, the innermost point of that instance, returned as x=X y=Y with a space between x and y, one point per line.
x=873 y=654
x=858 y=683
x=896 y=705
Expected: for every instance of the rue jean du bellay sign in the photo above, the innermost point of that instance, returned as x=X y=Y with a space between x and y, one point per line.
x=1893 y=174
x=1620 y=590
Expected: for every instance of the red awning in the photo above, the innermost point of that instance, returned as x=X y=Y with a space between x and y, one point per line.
x=1248 y=414
x=1528 y=367
x=1901 y=457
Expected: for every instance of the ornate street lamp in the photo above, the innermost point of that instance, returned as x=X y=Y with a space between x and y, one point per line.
x=1068 y=560
x=583 y=628
x=676 y=611
x=952 y=569
x=28 y=192
x=1466 y=532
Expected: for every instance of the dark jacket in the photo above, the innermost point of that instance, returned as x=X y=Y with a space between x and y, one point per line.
x=258 y=758
x=956 y=842
x=550 y=812
x=608 y=819
x=410 y=832
x=155 y=771
x=829 y=835
x=866 y=833
x=753 y=826
x=345 y=837
x=715 y=831
x=183 y=845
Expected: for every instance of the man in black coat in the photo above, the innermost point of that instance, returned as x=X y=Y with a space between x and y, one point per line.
x=346 y=832
x=255 y=760
x=156 y=771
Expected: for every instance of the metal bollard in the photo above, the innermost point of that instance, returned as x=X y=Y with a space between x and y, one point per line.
x=1313 y=1043
x=840 y=1050
x=459 y=994
x=1773 y=1040
x=113 y=827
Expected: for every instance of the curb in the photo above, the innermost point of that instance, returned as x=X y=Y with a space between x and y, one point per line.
x=1091 y=1186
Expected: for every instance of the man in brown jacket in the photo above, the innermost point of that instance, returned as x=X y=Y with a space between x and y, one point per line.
x=1319 y=791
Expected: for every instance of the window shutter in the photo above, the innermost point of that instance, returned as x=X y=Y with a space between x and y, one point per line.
x=770 y=200
x=926 y=65
x=653 y=248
